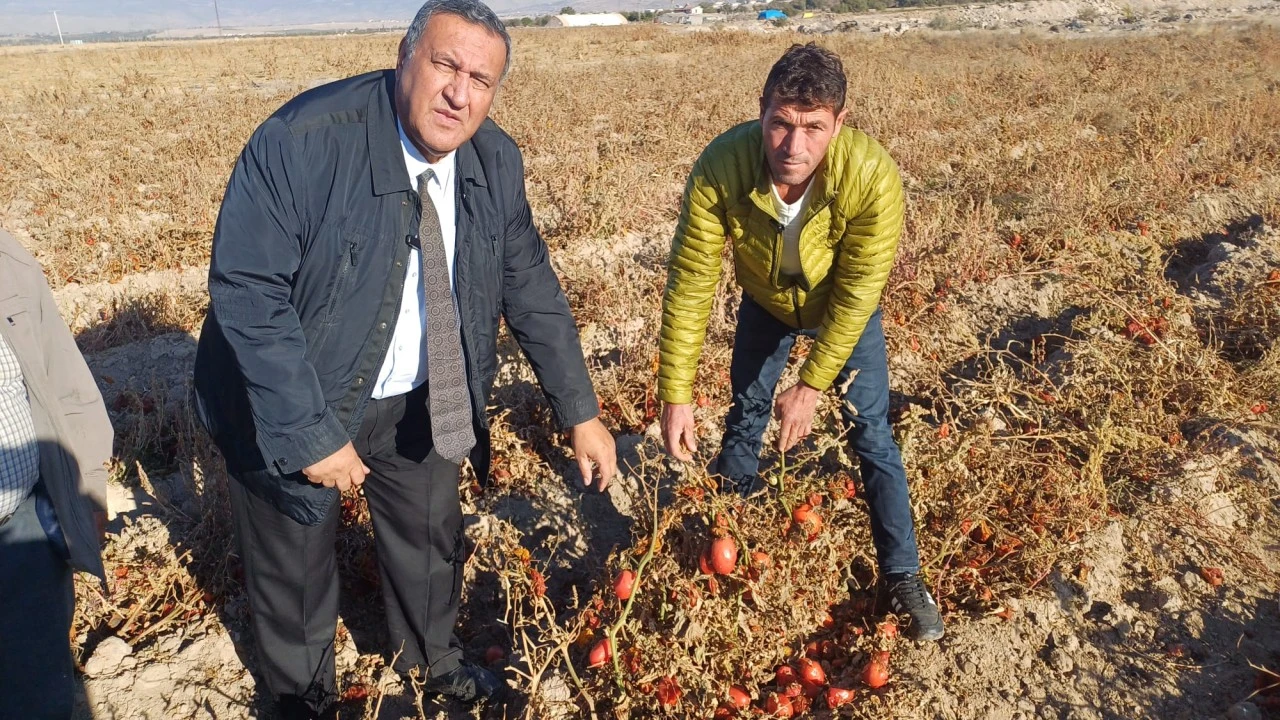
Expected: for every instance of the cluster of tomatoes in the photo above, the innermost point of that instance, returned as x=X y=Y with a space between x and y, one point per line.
x=795 y=687
x=798 y=686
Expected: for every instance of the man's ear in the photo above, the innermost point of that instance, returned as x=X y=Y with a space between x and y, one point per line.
x=840 y=118
x=764 y=105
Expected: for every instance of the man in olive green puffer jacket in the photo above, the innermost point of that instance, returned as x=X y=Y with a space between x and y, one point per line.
x=813 y=210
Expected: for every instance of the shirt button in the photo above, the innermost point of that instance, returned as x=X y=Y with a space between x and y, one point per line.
x=359 y=382
x=382 y=326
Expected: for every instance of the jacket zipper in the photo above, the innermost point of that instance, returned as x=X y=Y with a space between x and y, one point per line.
x=795 y=302
x=776 y=260
x=339 y=286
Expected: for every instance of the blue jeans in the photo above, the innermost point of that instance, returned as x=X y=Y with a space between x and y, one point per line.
x=761 y=347
x=37 y=679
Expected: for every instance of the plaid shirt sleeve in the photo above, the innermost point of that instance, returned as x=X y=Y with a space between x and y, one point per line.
x=19 y=451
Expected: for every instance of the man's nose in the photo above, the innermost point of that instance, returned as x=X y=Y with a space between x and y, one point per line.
x=792 y=143
x=456 y=92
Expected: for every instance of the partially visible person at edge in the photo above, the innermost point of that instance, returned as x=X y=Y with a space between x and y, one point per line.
x=55 y=441
x=813 y=210
x=373 y=232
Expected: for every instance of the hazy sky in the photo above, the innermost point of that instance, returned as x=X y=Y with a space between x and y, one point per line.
x=26 y=17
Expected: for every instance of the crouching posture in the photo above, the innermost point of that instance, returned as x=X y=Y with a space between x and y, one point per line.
x=813 y=210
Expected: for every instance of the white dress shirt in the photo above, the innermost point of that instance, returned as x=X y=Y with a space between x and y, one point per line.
x=405 y=366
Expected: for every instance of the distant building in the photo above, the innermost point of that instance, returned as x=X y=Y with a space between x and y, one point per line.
x=587 y=19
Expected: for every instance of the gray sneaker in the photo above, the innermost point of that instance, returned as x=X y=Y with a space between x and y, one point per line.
x=908 y=596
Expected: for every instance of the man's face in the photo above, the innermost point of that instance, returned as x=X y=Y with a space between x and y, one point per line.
x=444 y=91
x=796 y=139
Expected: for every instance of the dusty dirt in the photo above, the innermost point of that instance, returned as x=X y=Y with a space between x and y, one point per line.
x=1132 y=626
x=1071 y=18
x=1131 y=629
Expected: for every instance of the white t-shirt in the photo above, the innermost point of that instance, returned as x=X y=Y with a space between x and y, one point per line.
x=790 y=217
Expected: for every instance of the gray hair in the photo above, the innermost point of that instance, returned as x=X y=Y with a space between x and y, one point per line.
x=473 y=11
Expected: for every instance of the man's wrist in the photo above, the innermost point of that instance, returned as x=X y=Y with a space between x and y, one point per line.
x=806 y=388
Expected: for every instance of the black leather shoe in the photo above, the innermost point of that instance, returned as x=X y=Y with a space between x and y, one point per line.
x=468 y=683
x=294 y=707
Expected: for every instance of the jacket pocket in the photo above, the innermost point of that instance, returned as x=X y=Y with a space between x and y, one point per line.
x=347 y=256
x=347 y=261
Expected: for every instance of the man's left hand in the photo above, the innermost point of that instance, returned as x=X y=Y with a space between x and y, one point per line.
x=794 y=410
x=593 y=447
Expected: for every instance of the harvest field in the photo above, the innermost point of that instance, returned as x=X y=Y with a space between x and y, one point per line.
x=1082 y=326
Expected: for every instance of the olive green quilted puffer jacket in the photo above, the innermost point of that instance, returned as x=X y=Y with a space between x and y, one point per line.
x=850 y=235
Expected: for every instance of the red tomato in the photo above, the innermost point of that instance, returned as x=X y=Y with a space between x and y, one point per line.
x=784 y=675
x=838 y=696
x=600 y=654
x=704 y=564
x=778 y=705
x=739 y=696
x=875 y=674
x=811 y=672
x=668 y=691
x=624 y=584
x=807 y=518
x=723 y=555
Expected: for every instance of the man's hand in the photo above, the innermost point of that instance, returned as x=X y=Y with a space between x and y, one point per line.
x=794 y=410
x=343 y=470
x=679 y=432
x=593 y=447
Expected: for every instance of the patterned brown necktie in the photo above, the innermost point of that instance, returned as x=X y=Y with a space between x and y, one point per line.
x=448 y=398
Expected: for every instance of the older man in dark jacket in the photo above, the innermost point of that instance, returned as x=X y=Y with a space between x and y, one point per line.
x=55 y=440
x=372 y=234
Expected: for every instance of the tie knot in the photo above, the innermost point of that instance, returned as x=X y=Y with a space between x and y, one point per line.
x=427 y=176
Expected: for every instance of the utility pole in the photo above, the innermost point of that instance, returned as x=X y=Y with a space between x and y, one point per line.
x=59 y=26
x=217 y=17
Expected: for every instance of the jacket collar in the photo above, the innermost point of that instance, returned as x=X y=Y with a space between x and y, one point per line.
x=468 y=162
x=386 y=158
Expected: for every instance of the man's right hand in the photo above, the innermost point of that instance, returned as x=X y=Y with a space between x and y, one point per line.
x=679 y=431
x=343 y=470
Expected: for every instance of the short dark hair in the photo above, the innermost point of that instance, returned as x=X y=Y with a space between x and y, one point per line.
x=473 y=11
x=808 y=76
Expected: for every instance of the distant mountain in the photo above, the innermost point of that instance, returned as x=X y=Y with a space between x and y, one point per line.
x=32 y=17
